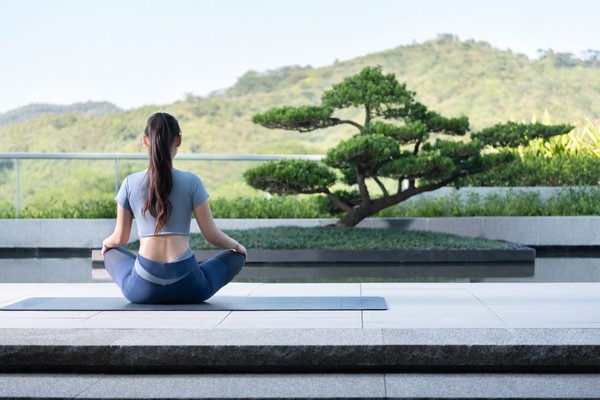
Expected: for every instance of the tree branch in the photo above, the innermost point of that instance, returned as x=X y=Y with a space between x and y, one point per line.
x=362 y=187
x=337 y=201
x=417 y=145
x=400 y=180
x=367 y=114
x=381 y=186
x=347 y=121
x=436 y=185
x=385 y=202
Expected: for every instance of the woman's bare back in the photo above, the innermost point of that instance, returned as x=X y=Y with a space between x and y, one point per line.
x=163 y=248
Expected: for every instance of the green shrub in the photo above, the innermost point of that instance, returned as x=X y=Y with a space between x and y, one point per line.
x=7 y=210
x=102 y=207
x=531 y=170
x=276 y=207
x=569 y=201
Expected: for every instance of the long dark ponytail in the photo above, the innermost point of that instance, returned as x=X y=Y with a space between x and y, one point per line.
x=162 y=130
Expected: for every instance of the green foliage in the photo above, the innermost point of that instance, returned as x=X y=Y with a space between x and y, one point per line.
x=290 y=177
x=35 y=110
x=512 y=134
x=454 y=150
x=349 y=239
x=326 y=208
x=405 y=134
x=564 y=160
x=439 y=124
x=511 y=203
x=574 y=201
x=302 y=119
x=532 y=170
x=429 y=165
x=103 y=207
x=583 y=140
x=253 y=82
x=368 y=153
x=276 y=207
x=7 y=210
x=380 y=93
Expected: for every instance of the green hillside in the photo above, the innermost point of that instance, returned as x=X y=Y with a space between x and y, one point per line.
x=32 y=111
x=450 y=76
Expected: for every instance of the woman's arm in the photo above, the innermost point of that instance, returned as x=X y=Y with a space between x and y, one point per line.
x=211 y=232
x=120 y=235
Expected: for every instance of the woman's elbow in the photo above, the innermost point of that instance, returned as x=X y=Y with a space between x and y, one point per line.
x=211 y=236
x=122 y=238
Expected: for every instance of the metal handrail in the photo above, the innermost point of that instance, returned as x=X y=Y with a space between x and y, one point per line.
x=139 y=156
x=18 y=156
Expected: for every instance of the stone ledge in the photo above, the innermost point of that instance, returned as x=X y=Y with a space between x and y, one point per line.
x=300 y=350
x=302 y=386
x=282 y=265
x=516 y=254
x=530 y=231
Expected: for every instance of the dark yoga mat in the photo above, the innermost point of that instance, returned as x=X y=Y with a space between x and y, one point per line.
x=214 y=304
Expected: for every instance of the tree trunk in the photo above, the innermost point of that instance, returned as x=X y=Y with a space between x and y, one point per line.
x=356 y=215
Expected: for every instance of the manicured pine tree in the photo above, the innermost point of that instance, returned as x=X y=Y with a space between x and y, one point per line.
x=399 y=138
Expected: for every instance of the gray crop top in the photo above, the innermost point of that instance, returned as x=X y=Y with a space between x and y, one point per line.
x=188 y=192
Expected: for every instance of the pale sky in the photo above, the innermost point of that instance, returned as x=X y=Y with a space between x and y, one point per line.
x=135 y=52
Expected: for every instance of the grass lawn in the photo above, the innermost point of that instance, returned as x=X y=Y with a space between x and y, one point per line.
x=287 y=238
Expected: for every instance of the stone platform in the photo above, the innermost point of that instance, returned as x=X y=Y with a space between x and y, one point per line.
x=436 y=340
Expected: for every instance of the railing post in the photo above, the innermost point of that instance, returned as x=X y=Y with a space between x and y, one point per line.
x=18 y=187
x=116 y=175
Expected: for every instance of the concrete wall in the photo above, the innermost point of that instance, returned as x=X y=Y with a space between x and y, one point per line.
x=543 y=231
x=86 y=233
x=45 y=270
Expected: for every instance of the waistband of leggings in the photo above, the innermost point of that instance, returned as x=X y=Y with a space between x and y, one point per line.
x=147 y=269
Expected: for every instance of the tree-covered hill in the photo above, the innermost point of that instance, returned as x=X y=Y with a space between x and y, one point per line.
x=450 y=76
x=32 y=111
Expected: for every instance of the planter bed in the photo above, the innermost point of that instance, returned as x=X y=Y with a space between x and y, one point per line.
x=344 y=265
x=392 y=257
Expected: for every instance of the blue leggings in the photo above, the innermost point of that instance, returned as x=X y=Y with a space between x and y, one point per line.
x=177 y=282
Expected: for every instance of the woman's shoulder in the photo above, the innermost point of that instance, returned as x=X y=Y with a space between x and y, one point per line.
x=185 y=176
x=136 y=176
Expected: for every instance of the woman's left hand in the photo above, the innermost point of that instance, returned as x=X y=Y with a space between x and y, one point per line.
x=105 y=246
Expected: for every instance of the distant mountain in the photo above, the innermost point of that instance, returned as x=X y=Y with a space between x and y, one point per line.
x=450 y=76
x=31 y=111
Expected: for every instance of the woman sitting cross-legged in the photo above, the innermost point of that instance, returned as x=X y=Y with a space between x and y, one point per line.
x=162 y=200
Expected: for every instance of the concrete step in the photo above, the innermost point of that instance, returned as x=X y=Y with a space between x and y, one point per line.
x=305 y=386
x=299 y=350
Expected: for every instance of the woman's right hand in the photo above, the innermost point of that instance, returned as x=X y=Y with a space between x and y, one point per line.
x=240 y=249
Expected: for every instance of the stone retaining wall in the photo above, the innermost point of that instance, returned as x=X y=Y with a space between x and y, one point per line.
x=531 y=231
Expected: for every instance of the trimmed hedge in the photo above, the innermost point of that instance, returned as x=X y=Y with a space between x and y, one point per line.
x=349 y=239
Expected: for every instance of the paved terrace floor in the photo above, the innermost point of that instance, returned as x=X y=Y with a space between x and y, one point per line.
x=541 y=313
x=411 y=306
